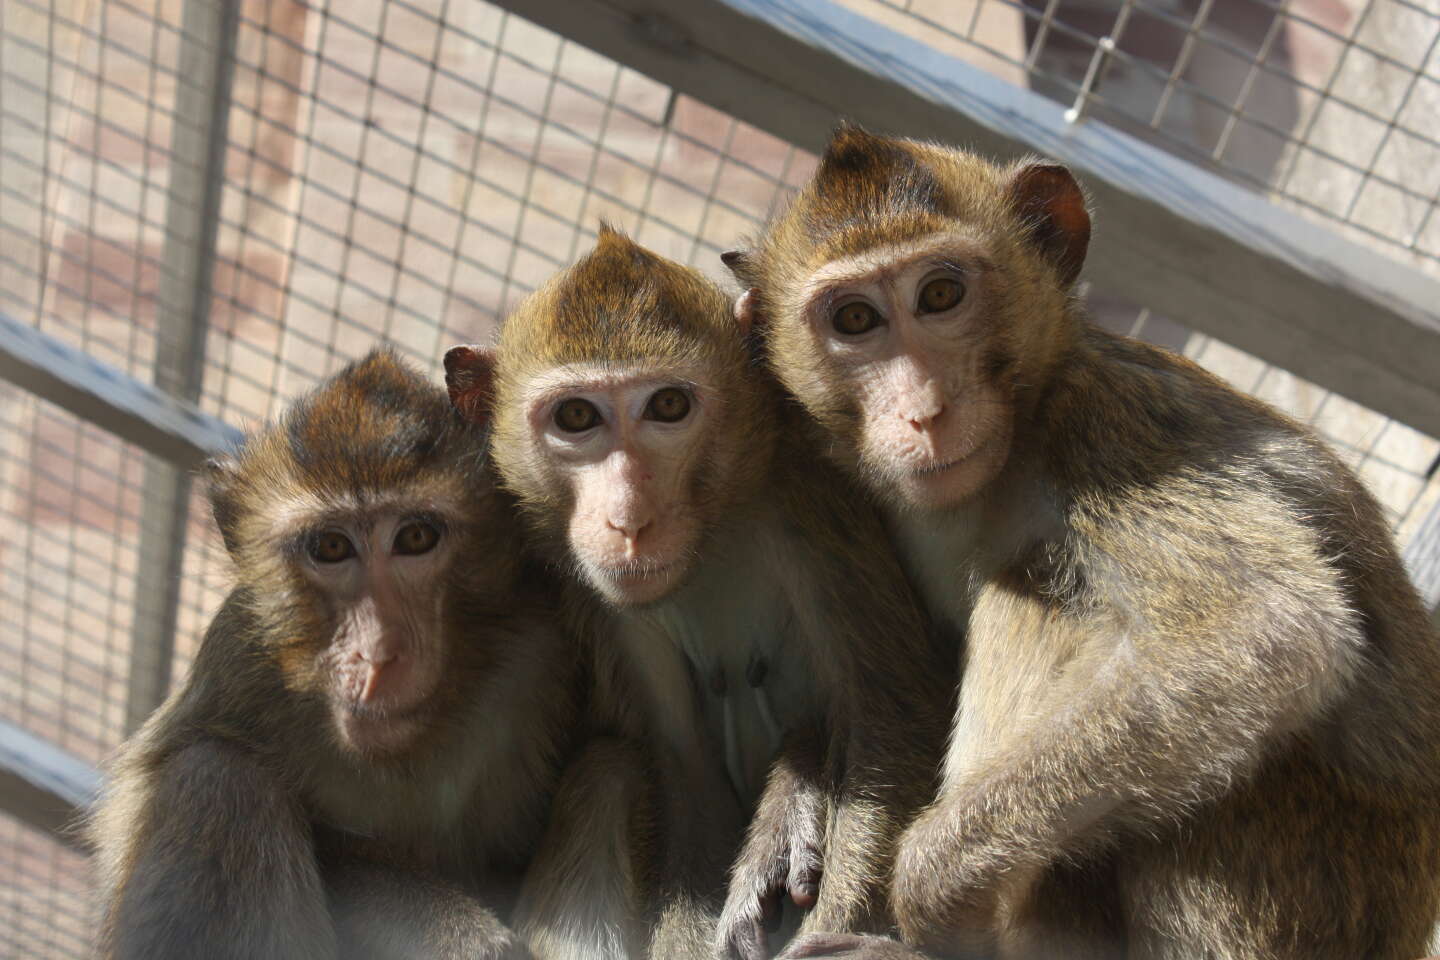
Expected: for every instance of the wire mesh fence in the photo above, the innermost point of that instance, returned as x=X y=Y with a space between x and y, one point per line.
x=44 y=900
x=407 y=170
x=1328 y=105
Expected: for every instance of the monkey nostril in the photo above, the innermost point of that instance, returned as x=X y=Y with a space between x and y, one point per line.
x=629 y=529
x=383 y=670
x=372 y=683
x=924 y=420
x=632 y=533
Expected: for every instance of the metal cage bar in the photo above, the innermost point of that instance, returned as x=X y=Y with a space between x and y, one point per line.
x=198 y=147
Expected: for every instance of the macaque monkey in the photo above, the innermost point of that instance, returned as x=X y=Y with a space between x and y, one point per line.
x=654 y=460
x=362 y=759
x=1200 y=698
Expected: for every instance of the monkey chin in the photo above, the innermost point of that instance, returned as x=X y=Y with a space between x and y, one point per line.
x=636 y=583
x=950 y=483
x=378 y=732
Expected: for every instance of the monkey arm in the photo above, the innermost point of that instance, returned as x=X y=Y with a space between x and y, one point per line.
x=698 y=832
x=386 y=913
x=851 y=946
x=582 y=896
x=783 y=849
x=204 y=879
x=1186 y=670
x=891 y=753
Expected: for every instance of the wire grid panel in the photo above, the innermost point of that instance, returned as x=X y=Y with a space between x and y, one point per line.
x=1327 y=104
x=402 y=170
x=69 y=522
x=421 y=168
x=44 y=895
x=407 y=172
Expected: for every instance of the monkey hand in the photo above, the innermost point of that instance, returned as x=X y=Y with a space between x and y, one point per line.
x=854 y=946
x=945 y=902
x=786 y=862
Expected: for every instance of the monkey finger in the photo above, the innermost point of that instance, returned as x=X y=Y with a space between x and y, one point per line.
x=803 y=881
x=805 y=889
x=747 y=940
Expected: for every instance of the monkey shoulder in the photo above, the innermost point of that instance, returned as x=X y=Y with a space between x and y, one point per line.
x=1183 y=498
x=1136 y=434
x=216 y=703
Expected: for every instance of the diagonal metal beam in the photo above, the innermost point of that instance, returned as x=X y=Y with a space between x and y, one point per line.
x=161 y=425
x=192 y=221
x=44 y=786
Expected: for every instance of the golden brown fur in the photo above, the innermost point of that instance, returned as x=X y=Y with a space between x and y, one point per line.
x=240 y=820
x=1200 y=695
x=787 y=561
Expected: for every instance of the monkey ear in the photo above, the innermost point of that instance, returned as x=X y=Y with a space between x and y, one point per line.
x=220 y=474
x=746 y=309
x=470 y=378
x=739 y=261
x=1051 y=205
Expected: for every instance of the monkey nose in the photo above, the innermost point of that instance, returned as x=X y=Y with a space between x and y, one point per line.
x=372 y=683
x=630 y=531
x=923 y=421
x=376 y=662
x=378 y=657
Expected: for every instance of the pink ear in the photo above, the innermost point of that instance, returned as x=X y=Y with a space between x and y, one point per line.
x=470 y=378
x=745 y=310
x=1052 y=206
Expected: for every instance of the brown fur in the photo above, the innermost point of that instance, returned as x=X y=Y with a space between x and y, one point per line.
x=1200 y=695
x=773 y=513
x=237 y=822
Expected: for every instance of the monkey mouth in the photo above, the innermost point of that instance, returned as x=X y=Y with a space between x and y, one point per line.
x=635 y=570
x=636 y=582
x=383 y=713
x=375 y=732
x=939 y=468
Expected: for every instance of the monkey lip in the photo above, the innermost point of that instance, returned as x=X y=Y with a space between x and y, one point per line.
x=381 y=727
x=382 y=712
x=636 y=582
x=635 y=570
x=938 y=468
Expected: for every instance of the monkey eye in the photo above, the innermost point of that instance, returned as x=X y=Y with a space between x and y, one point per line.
x=415 y=538
x=576 y=416
x=940 y=295
x=856 y=318
x=331 y=546
x=669 y=405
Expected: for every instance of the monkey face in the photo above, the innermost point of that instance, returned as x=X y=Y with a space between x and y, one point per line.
x=625 y=444
x=916 y=300
x=380 y=573
x=904 y=341
x=347 y=522
x=369 y=581
x=628 y=417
